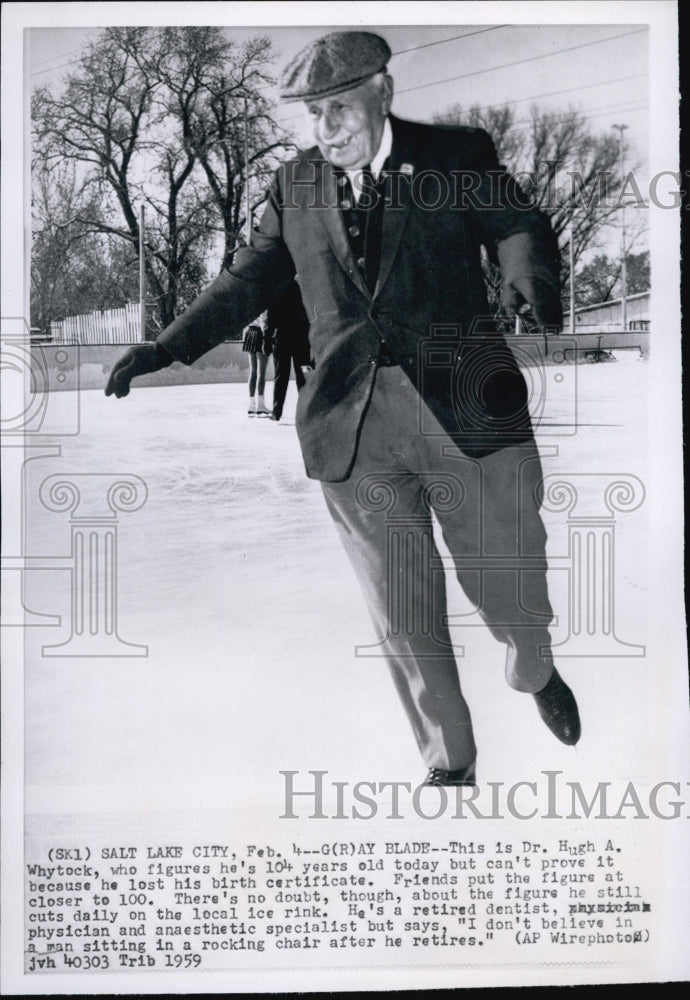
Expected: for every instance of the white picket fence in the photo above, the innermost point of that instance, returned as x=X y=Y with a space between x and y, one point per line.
x=111 y=326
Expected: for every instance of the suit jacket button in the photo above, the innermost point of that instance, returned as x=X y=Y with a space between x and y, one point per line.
x=361 y=262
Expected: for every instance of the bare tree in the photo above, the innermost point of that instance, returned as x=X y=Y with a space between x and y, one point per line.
x=567 y=170
x=74 y=268
x=213 y=91
x=155 y=116
x=599 y=280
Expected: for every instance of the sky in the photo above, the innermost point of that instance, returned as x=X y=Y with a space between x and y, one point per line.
x=600 y=69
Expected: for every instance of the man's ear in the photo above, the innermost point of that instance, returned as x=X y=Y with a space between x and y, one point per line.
x=386 y=93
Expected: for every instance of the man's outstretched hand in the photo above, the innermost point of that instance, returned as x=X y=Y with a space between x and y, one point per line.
x=542 y=296
x=529 y=268
x=138 y=360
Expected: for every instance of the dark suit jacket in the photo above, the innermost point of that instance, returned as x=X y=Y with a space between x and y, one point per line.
x=446 y=197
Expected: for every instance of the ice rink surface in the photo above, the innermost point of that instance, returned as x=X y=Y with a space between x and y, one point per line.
x=233 y=576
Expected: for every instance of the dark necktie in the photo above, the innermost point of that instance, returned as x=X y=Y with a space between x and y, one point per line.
x=364 y=222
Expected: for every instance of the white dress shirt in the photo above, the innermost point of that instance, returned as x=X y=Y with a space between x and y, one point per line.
x=376 y=163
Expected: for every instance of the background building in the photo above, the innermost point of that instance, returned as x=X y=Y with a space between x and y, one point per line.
x=608 y=315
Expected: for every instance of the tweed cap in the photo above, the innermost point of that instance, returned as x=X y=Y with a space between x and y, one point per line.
x=337 y=62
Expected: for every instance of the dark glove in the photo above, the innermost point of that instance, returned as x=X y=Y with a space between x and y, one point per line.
x=540 y=295
x=529 y=267
x=139 y=360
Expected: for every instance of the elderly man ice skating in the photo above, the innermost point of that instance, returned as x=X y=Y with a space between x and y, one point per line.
x=415 y=406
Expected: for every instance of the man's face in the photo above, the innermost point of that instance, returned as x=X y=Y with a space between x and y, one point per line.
x=348 y=126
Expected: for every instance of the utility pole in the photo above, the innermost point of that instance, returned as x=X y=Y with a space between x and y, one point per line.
x=142 y=277
x=624 y=271
x=571 y=258
x=247 y=208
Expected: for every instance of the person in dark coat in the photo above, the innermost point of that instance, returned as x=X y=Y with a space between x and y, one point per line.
x=415 y=406
x=288 y=327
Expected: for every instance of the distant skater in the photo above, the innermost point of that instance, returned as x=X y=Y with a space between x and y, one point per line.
x=256 y=342
x=288 y=327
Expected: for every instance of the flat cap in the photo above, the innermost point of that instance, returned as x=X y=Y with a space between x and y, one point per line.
x=337 y=62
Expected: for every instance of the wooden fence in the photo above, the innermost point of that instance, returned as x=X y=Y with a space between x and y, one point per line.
x=111 y=326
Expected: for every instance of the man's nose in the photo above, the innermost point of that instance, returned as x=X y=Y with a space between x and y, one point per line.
x=329 y=124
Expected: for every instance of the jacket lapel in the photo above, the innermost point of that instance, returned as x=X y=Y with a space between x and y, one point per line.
x=334 y=225
x=401 y=164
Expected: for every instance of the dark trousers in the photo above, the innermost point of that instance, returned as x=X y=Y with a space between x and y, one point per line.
x=285 y=355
